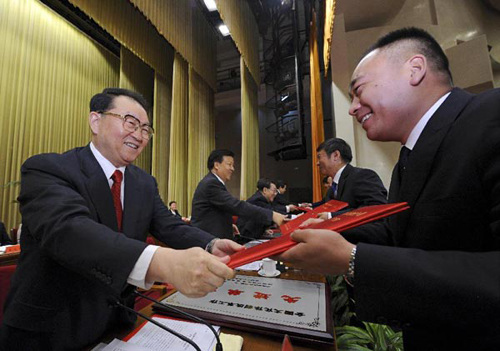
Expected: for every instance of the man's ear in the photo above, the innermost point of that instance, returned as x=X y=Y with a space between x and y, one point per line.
x=94 y=122
x=418 y=69
x=335 y=155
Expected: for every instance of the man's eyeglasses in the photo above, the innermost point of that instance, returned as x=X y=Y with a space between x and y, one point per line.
x=131 y=124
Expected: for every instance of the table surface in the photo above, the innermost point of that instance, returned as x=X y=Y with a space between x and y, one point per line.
x=254 y=341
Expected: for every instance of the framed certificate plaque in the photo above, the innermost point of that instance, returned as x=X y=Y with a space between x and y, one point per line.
x=298 y=308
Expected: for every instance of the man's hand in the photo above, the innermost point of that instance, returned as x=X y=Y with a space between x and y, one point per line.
x=278 y=218
x=194 y=272
x=292 y=208
x=323 y=215
x=305 y=204
x=223 y=248
x=310 y=221
x=236 y=231
x=321 y=251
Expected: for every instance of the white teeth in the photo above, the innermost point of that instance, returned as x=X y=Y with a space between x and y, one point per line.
x=365 y=118
x=132 y=145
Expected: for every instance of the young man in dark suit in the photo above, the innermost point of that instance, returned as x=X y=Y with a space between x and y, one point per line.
x=263 y=197
x=86 y=214
x=213 y=206
x=435 y=269
x=280 y=204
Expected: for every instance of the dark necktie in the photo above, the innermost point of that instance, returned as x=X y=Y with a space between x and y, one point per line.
x=403 y=161
x=116 y=192
x=334 y=189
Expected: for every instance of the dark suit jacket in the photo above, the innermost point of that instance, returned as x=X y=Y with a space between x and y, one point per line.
x=213 y=208
x=358 y=187
x=177 y=214
x=4 y=237
x=74 y=263
x=280 y=203
x=448 y=296
x=247 y=226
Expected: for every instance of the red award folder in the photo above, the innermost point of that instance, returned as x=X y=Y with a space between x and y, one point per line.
x=342 y=222
x=330 y=206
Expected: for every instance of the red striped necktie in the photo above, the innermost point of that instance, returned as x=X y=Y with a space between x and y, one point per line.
x=116 y=192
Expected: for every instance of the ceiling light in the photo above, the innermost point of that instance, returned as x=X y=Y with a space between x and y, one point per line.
x=210 y=4
x=224 y=30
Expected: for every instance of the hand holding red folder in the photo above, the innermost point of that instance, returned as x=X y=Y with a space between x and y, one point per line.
x=342 y=222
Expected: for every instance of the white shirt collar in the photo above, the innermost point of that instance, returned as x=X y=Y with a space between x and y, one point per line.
x=219 y=178
x=419 y=127
x=336 y=178
x=107 y=167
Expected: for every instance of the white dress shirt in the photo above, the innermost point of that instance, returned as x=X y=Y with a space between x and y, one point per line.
x=137 y=276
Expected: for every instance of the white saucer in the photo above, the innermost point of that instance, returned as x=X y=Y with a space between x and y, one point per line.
x=275 y=274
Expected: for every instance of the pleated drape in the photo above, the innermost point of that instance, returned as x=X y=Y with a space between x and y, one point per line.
x=328 y=32
x=249 y=133
x=178 y=160
x=201 y=136
x=161 y=140
x=49 y=71
x=240 y=20
x=137 y=76
x=317 y=129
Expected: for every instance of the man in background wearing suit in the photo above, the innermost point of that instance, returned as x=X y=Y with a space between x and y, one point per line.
x=435 y=269
x=280 y=204
x=172 y=206
x=263 y=197
x=213 y=206
x=86 y=214
x=357 y=186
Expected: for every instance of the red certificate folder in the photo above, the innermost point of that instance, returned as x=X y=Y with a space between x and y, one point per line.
x=330 y=206
x=342 y=222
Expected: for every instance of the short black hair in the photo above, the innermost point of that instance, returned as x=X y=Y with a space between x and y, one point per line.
x=217 y=156
x=171 y=202
x=424 y=43
x=264 y=183
x=280 y=183
x=333 y=144
x=102 y=102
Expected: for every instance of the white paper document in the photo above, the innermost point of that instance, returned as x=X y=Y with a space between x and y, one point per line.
x=151 y=337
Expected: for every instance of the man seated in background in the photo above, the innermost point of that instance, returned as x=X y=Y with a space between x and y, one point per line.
x=172 y=206
x=280 y=203
x=327 y=185
x=213 y=205
x=263 y=197
x=86 y=214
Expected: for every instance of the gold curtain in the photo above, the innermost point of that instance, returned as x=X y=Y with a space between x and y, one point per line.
x=49 y=71
x=328 y=32
x=137 y=76
x=127 y=25
x=249 y=133
x=161 y=123
x=178 y=160
x=185 y=27
x=317 y=130
x=201 y=135
x=238 y=17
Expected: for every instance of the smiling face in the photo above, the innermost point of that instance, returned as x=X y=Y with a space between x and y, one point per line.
x=382 y=99
x=329 y=165
x=225 y=168
x=270 y=193
x=117 y=145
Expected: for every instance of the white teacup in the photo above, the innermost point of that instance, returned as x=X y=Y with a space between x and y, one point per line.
x=268 y=266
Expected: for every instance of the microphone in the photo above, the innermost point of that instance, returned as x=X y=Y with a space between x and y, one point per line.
x=218 y=346
x=179 y=335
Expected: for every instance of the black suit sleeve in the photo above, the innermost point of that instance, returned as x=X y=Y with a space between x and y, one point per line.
x=412 y=287
x=369 y=189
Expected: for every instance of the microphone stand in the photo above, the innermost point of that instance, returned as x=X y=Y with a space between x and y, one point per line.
x=218 y=346
x=180 y=336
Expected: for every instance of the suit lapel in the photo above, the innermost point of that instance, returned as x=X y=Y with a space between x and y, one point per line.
x=342 y=180
x=98 y=188
x=132 y=203
x=423 y=154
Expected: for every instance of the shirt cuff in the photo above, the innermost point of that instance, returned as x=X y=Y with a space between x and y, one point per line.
x=329 y=215
x=287 y=208
x=138 y=275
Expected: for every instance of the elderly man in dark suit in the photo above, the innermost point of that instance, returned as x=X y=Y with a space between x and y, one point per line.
x=356 y=186
x=263 y=197
x=86 y=214
x=439 y=281
x=213 y=206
